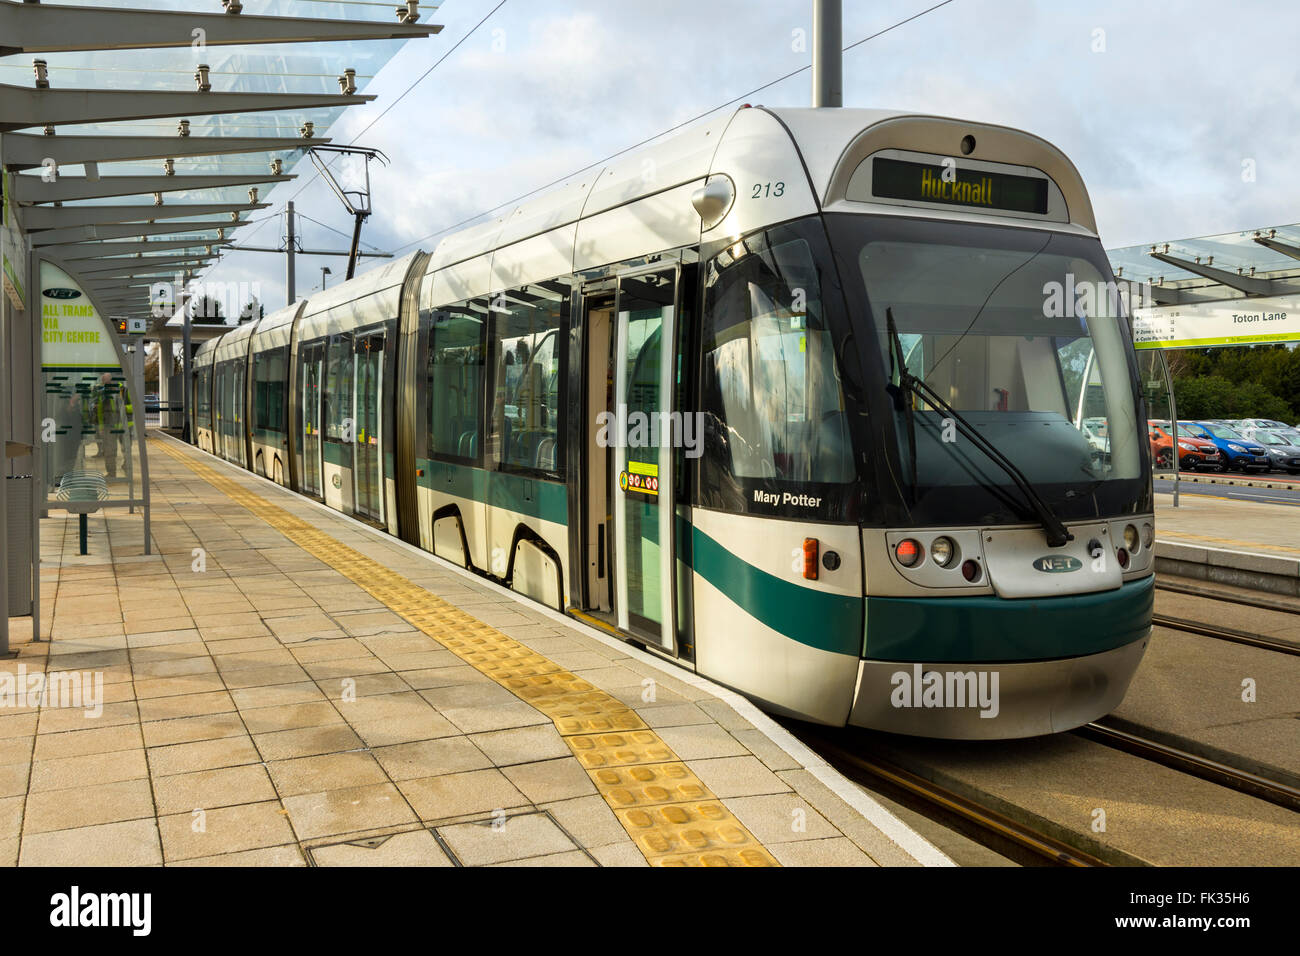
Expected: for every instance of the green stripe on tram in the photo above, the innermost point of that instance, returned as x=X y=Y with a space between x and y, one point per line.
x=828 y=622
x=535 y=497
x=991 y=629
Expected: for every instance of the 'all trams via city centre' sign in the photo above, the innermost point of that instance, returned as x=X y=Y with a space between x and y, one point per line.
x=1261 y=321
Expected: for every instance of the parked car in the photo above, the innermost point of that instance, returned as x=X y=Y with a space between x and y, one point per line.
x=1238 y=453
x=1242 y=424
x=1193 y=453
x=151 y=402
x=1283 y=453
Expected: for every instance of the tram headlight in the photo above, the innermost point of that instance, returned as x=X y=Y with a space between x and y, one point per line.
x=942 y=551
x=1131 y=540
x=908 y=552
x=1148 y=535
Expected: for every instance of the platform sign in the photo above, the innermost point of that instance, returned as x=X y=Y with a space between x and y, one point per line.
x=73 y=334
x=1260 y=321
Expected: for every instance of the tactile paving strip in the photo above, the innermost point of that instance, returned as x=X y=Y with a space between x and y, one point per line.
x=674 y=819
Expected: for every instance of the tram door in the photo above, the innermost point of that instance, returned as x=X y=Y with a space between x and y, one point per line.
x=642 y=484
x=312 y=368
x=235 y=446
x=220 y=393
x=367 y=465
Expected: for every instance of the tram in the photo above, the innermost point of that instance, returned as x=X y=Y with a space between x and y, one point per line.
x=806 y=400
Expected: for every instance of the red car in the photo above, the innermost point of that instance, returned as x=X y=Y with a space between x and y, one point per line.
x=1194 y=453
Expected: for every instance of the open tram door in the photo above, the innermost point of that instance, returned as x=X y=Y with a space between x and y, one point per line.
x=629 y=535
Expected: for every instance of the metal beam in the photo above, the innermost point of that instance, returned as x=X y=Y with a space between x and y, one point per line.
x=142 y=267
x=1247 y=284
x=78 y=251
x=1268 y=243
x=38 y=28
x=34 y=189
x=25 y=151
x=123 y=290
x=26 y=106
x=313 y=252
x=109 y=281
x=58 y=217
x=76 y=236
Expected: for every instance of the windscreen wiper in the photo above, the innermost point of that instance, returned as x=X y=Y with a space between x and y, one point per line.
x=1057 y=534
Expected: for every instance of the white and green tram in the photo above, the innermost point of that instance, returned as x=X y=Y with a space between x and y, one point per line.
x=795 y=398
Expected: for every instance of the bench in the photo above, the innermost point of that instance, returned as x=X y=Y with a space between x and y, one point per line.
x=83 y=491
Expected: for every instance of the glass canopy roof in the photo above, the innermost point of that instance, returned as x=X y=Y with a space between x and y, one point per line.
x=1229 y=252
x=257 y=68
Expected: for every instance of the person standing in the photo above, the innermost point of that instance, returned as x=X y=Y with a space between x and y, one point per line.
x=108 y=420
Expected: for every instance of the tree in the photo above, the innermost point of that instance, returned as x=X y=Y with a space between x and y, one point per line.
x=1213 y=396
x=1261 y=381
x=253 y=311
x=206 y=309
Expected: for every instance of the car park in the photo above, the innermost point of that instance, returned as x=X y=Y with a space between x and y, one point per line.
x=1239 y=453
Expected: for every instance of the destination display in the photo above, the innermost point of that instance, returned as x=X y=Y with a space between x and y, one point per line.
x=1210 y=324
x=925 y=182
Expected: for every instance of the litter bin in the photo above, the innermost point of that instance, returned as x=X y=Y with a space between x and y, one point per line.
x=19 y=546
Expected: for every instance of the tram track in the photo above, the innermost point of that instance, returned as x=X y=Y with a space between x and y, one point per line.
x=1219 y=632
x=1230 y=597
x=1015 y=839
x=1226 y=634
x=1177 y=758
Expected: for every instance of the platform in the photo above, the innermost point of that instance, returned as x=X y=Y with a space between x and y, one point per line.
x=284 y=686
x=1243 y=543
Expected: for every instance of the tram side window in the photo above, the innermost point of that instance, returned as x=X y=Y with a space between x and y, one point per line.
x=454 y=379
x=771 y=399
x=203 y=397
x=528 y=352
x=337 y=396
x=270 y=388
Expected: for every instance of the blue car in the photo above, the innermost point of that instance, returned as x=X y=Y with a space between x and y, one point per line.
x=1240 y=454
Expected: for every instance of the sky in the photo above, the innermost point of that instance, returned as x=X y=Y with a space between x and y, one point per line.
x=1181 y=116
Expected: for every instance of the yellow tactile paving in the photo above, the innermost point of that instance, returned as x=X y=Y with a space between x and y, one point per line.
x=674 y=819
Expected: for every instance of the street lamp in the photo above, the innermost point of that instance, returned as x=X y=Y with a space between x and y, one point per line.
x=324 y=271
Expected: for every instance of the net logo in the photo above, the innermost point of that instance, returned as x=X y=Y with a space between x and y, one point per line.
x=61 y=293
x=1057 y=563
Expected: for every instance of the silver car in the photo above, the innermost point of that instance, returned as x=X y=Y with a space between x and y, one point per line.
x=1283 y=455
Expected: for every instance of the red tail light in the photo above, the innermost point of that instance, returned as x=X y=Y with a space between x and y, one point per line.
x=810 y=558
x=908 y=552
